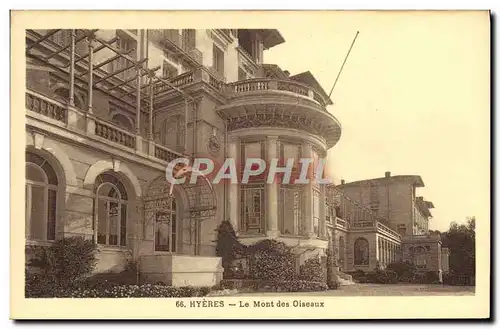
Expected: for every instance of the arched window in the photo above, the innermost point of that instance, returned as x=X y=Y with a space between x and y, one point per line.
x=110 y=217
x=41 y=199
x=123 y=122
x=361 y=249
x=166 y=227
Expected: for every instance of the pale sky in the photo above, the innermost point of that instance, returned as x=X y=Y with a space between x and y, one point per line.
x=413 y=99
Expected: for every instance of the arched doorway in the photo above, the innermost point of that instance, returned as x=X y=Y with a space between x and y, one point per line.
x=176 y=219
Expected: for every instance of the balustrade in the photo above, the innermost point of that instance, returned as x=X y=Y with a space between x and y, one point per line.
x=46 y=107
x=114 y=134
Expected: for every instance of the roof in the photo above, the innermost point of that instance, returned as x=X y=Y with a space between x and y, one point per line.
x=271 y=38
x=309 y=79
x=414 y=179
x=424 y=206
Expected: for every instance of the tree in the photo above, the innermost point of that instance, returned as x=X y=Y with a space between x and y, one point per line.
x=461 y=242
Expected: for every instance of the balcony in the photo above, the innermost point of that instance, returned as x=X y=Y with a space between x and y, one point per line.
x=255 y=103
x=72 y=123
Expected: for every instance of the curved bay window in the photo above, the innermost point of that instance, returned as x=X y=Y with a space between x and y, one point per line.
x=361 y=249
x=110 y=223
x=166 y=227
x=41 y=199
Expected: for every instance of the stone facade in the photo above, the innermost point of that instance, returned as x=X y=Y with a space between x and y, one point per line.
x=106 y=148
x=394 y=221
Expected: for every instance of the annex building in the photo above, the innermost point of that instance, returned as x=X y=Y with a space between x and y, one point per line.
x=106 y=110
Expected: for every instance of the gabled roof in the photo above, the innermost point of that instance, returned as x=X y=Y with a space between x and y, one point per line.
x=308 y=78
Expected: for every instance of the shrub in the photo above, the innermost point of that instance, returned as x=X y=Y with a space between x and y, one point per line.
x=228 y=247
x=67 y=260
x=130 y=291
x=404 y=270
x=386 y=277
x=312 y=270
x=272 y=261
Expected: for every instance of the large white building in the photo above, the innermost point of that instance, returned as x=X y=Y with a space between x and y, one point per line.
x=106 y=110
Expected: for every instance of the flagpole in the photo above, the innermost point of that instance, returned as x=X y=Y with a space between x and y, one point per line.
x=342 y=67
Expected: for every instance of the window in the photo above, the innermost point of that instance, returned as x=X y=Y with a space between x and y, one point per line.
x=361 y=256
x=252 y=208
x=61 y=37
x=252 y=150
x=402 y=229
x=374 y=198
x=290 y=203
x=242 y=74
x=316 y=205
x=110 y=223
x=290 y=151
x=123 y=122
x=188 y=39
x=218 y=61
x=341 y=251
x=166 y=228
x=172 y=134
x=41 y=199
x=124 y=44
x=169 y=71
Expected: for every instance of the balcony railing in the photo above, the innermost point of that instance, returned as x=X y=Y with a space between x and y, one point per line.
x=88 y=125
x=114 y=134
x=46 y=107
x=259 y=84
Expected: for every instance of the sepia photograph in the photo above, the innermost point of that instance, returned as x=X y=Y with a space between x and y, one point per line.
x=267 y=164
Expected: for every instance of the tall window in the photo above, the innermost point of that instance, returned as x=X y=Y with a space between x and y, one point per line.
x=252 y=194
x=41 y=199
x=361 y=255
x=110 y=224
x=252 y=208
x=188 y=39
x=172 y=133
x=402 y=229
x=290 y=203
x=169 y=71
x=374 y=198
x=124 y=44
x=61 y=37
x=218 y=60
x=166 y=228
x=316 y=205
x=341 y=251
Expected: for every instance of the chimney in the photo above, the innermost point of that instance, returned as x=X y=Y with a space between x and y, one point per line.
x=387 y=174
x=342 y=182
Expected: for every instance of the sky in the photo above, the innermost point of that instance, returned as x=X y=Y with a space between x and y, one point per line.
x=412 y=99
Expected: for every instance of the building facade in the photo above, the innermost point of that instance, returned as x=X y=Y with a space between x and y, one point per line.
x=379 y=221
x=106 y=110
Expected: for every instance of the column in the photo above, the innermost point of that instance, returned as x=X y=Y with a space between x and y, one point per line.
x=72 y=70
x=272 y=190
x=322 y=212
x=90 y=38
x=232 y=153
x=307 y=153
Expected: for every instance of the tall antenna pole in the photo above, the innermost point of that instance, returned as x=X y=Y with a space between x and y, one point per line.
x=342 y=67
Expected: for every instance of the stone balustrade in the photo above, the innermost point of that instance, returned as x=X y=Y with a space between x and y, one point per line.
x=93 y=128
